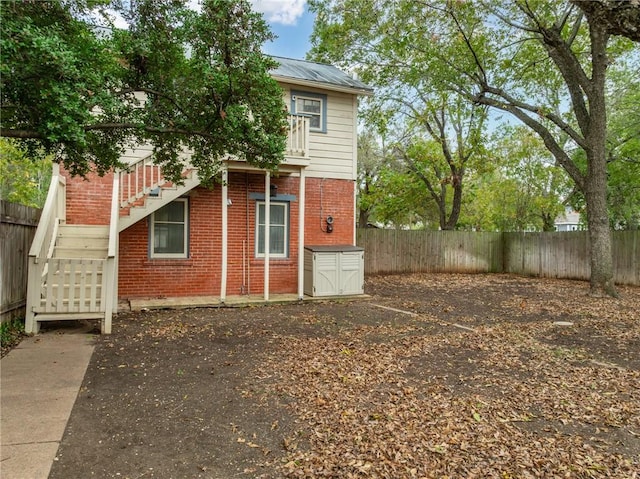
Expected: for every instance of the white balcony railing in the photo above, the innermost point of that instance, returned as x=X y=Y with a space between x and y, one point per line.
x=298 y=137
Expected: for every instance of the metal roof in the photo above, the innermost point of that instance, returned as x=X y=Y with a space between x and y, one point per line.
x=326 y=75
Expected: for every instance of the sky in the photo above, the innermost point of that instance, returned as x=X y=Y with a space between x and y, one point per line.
x=292 y=22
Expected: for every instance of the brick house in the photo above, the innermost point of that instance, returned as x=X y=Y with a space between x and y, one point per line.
x=129 y=235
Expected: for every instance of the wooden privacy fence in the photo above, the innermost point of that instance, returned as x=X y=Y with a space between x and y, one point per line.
x=18 y=225
x=554 y=255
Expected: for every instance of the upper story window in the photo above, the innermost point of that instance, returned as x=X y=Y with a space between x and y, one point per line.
x=170 y=230
x=312 y=105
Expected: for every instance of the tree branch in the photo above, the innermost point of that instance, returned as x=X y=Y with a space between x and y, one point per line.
x=554 y=118
x=560 y=52
x=24 y=134
x=546 y=136
x=20 y=134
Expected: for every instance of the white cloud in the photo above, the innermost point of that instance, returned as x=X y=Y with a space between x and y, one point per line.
x=286 y=12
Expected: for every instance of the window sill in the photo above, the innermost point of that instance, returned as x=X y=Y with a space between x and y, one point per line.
x=272 y=260
x=173 y=262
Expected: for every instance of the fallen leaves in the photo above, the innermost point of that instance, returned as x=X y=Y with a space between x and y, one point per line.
x=516 y=405
x=455 y=376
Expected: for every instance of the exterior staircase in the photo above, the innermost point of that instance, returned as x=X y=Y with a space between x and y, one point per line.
x=144 y=190
x=73 y=277
x=73 y=268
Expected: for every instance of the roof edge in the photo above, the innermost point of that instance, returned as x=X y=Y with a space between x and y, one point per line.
x=354 y=86
x=322 y=85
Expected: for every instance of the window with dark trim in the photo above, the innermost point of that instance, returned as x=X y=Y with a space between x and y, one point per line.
x=278 y=231
x=169 y=230
x=313 y=106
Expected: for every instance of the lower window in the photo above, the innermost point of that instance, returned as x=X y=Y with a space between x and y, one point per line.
x=278 y=230
x=170 y=230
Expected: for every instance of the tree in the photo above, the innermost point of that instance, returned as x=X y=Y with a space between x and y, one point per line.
x=405 y=95
x=370 y=161
x=73 y=89
x=537 y=61
x=441 y=162
x=23 y=180
x=617 y=17
x=401 y=201
x=524 y=191
x=623 y=149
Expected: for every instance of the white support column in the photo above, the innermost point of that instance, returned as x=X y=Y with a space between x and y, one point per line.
x=267 y=231
x=355 y=212
x=301 y=208
x=225 y=227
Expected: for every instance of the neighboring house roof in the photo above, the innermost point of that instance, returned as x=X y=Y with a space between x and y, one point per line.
x=301 y=72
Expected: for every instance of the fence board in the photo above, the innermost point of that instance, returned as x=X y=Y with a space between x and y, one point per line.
x=553 y=254
x=18 y=225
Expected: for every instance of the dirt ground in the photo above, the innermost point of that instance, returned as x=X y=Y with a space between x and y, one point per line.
x=434 y=376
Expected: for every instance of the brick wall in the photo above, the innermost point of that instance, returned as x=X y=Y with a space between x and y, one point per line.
x=140 y=276
x=88 y=199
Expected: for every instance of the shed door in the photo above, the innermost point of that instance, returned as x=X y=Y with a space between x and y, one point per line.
x=327 y=276
x=350 y=273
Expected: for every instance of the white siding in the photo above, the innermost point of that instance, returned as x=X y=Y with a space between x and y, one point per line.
x=333 y=154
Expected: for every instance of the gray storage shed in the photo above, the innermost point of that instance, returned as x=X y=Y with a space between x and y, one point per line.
x=333 y=270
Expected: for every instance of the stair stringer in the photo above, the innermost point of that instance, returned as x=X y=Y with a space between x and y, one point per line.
x=154 y=203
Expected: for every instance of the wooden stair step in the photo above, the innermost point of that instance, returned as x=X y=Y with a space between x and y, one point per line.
x=85 y=231
x=82 y=253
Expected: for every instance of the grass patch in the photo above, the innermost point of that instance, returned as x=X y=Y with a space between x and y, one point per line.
x=11 y=333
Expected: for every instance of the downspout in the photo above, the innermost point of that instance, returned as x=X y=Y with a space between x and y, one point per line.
x=225 y=214
x=267 y=231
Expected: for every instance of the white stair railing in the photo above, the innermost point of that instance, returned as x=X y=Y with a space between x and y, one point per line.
x=53 y=213
x=138 y=180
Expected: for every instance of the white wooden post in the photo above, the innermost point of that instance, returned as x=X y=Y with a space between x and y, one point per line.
x=225 y=221
x=301 y=208
x=31 y=326
x=267 y=228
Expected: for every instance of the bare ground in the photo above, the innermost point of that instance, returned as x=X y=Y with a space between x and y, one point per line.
x=459 y=376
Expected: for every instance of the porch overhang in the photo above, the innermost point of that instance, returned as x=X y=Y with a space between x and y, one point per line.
x=286 y=168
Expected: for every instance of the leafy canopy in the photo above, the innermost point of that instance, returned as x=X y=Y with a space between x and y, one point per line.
x=179 y=79
x=23 y=180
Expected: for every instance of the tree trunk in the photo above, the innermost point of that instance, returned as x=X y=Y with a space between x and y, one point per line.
x=602 y=282
x=363 y=218
x=456 y=206
x=548 y=222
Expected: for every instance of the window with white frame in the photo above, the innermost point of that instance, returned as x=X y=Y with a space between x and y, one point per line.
x=313 y=106
x=278 y=230
x=170 y=230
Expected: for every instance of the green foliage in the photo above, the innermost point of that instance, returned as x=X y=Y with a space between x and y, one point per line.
x=388 y=46
x=370 y=161
x=70 y=88
x=11 y=333
x=23 y=180
x=623 y=146
x=623 y=150
x=545 y=63
x=402 y=201
x=388 y=193
x=525 y=191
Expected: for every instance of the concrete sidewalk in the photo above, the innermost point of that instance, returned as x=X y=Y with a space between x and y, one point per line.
x=39 y=382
